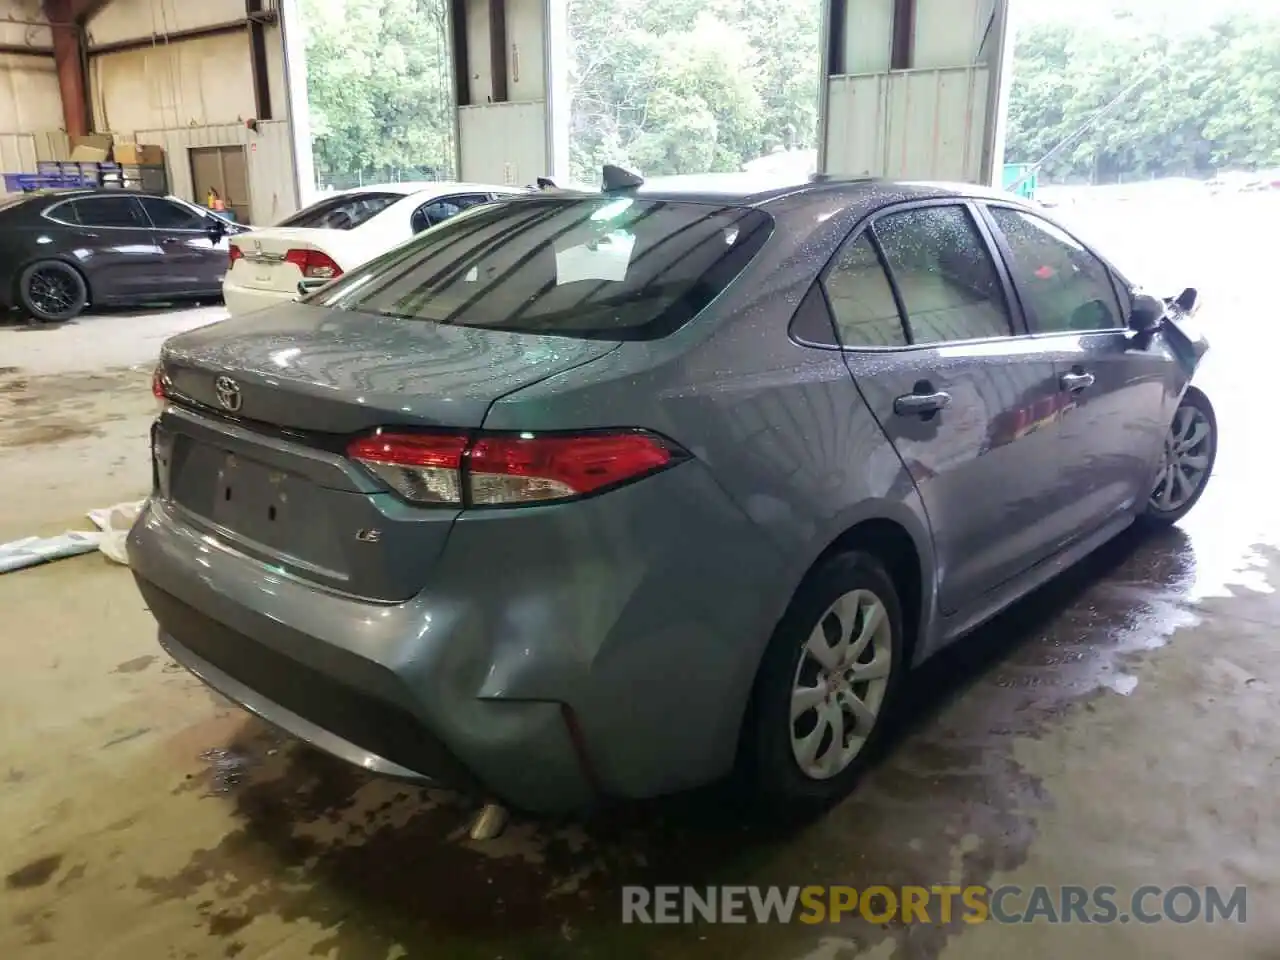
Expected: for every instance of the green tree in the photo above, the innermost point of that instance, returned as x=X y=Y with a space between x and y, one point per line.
x=678 y=86
x=378 y=87
x=1198 y=100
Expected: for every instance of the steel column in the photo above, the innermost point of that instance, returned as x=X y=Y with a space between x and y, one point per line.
x=68 y=46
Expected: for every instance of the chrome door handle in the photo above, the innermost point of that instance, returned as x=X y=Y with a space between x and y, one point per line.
x=1075 y=382
x=921 y=404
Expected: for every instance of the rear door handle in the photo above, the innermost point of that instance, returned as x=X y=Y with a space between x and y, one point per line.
x=1075 y=382
x=921 y=404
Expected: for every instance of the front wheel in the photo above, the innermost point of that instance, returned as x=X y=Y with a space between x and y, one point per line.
x=52 y=292
x=1186 y=461
x=825 y=685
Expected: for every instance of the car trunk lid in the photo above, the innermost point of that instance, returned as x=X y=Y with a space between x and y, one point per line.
x=251 y=446
x=264 y=261
x=301 y=367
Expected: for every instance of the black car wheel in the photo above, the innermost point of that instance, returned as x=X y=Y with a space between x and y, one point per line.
x=52 y=292
x=826 y=685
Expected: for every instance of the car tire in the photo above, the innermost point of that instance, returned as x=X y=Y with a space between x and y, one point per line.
x=1195 y=409
x=776 y=736
x=52 y=292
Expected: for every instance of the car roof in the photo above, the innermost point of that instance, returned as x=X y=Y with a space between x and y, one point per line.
x=751 y=189
x=70 y=193
x=415 y=187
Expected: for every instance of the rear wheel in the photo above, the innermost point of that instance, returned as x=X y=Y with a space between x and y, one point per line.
x=825 y=685
x=52 y=292
x=1186 y=463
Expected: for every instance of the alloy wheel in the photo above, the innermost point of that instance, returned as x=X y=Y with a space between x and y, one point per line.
x=52 y=291
x=840 y=684
x=1184 y=464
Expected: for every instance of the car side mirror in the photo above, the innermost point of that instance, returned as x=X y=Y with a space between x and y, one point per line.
x=1147 y=313
x=217 y=228
x=310 y=285
x=1188 y=301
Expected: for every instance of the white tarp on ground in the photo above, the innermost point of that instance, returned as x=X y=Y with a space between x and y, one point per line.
x=113 y=525
x=30 y=551
x=114 y=522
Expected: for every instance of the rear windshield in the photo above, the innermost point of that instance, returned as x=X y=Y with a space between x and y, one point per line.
x=596 y=267
x=343 y=212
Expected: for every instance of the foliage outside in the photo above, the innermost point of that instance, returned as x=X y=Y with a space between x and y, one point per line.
x=683 y=86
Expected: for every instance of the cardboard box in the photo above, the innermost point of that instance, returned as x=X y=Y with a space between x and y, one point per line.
x=139 y=155
x=92 y=148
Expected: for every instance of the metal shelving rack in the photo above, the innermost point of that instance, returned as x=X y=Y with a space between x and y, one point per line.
x=61 y=174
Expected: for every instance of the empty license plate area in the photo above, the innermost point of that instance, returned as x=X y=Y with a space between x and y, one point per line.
x=265 y=505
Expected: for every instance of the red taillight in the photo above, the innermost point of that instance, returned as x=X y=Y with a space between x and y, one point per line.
x=422 y=467
x=507 y=469
x=235 y=253
x=159 y=387
x=314 y=264
x=516 y=469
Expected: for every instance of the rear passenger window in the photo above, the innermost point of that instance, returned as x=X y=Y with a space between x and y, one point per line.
x=945 y=276
x=110 y=212
x=861 y=298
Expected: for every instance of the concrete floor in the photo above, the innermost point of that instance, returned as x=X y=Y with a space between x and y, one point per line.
x=1119 y=727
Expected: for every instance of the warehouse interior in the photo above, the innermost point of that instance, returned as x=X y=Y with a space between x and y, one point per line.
x=1116 y=729
x=206 y=83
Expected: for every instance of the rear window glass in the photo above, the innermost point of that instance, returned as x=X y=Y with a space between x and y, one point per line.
x=610 y=268
x=343 y=212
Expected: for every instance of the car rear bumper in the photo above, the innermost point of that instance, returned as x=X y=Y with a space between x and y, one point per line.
x=556 y=656
x=242 y=300
x=229 y=649
x=353 y=700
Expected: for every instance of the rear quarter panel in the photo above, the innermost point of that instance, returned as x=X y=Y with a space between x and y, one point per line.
x=781 y=431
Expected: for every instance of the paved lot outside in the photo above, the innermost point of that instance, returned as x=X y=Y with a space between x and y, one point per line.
x=1119 y=727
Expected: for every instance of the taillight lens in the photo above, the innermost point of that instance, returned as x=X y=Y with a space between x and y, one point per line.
x=234 y=253
x=159 y=387
x=314 y=264
x=510 y=469
x=424 y=468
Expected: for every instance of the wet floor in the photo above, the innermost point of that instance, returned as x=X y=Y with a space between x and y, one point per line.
x=1118 y=727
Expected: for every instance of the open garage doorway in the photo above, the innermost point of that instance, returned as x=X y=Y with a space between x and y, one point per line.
x=378 y=91
x=687 y=86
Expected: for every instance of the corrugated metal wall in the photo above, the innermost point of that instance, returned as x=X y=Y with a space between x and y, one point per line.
x=201 y=82
x=19 y=152
x=127 y=19
x=29 y=98
x=503 y=142
x=272 y=195
x=914 y=124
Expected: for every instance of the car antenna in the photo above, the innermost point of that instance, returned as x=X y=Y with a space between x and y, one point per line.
x=616 y=178
x=546 y=183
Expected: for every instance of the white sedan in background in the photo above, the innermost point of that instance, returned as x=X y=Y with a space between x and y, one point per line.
x=338 y=233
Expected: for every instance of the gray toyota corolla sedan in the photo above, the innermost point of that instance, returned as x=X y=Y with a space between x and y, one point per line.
x=589 y=496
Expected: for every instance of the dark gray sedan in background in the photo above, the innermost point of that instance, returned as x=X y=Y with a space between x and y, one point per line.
x=64 y=250
x=588 y=496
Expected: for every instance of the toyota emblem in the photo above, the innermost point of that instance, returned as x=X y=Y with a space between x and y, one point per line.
x=228 y=393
